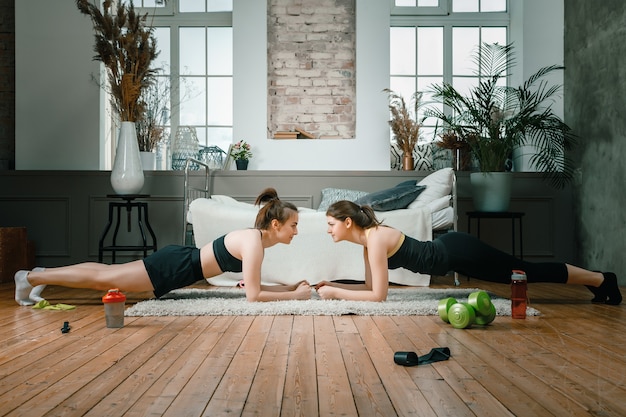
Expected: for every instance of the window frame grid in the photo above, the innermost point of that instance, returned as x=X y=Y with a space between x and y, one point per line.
x=447 y=23
x=169 y=17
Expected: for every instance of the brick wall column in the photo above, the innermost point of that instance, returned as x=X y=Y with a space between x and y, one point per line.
x=311 y=67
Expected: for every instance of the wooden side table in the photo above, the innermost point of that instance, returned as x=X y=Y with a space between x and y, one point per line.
x=129 y=204
x=512 y=215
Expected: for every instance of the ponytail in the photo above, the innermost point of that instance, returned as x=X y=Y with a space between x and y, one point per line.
x=272 y=208
x=362 y=216
x=266 y=195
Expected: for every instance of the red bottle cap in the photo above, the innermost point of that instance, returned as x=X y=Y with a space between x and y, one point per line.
x=114 y=296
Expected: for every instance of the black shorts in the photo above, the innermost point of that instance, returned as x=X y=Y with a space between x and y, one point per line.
x=173 y=267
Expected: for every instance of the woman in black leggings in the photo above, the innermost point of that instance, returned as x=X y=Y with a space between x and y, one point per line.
x=386 y=248
x=177 y=266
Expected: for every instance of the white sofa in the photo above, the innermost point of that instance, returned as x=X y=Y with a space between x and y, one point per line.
x=312 y=254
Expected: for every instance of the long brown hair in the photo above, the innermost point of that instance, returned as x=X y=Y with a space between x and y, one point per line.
x=362 y=216
x=273 y=208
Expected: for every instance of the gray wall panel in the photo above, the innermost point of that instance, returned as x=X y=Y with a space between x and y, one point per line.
x=66 y=214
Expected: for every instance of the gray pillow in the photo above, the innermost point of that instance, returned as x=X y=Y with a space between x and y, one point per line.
x=398 y=197
x=332 y=195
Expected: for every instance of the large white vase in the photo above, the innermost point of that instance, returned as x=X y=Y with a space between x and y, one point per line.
x=491 y=191
x=127 y=173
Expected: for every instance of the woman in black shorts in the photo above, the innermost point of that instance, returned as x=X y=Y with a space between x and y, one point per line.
x=178 y=266
x=386 y=248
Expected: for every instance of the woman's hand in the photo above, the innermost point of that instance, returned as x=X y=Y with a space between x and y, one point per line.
x=356 y=292
x=321 y=284
x=296 y=285
x=302 y=291
x=325 y=291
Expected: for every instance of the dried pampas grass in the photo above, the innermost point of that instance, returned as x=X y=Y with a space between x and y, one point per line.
x=126 y=45
x=406 y=129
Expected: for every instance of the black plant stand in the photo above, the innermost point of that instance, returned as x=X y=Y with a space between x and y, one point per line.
x=142 y=219
x=512 y=215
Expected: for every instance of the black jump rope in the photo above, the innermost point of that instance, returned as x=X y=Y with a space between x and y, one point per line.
x=411 y=358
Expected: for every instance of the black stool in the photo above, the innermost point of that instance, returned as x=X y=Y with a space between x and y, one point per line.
x=142 y=219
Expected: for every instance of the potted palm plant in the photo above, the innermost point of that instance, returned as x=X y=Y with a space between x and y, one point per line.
x=126 y=45
x=495 y=119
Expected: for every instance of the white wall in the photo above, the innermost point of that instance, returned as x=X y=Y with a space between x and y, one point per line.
x=369 y=150
x=57 y=104
x=544 y=24
x=57 y=114
x=537 y=32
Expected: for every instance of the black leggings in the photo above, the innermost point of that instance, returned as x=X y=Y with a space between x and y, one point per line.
x=470 y=256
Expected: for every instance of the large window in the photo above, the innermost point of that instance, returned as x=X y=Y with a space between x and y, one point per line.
x=431 y=44
x=195 y=40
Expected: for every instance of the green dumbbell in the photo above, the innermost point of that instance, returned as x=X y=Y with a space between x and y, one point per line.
x=481 y=302
x=461 y=315
x=486 y=318
x=444 y=306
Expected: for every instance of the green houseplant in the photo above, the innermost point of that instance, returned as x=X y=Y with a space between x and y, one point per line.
x=495 y=119
x=241 y=152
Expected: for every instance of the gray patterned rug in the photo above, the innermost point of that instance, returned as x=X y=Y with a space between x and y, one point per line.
x=420 y=301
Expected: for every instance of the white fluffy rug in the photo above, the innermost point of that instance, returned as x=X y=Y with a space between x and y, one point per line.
x=417 y=301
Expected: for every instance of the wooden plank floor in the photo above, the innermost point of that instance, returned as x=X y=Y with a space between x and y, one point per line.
x=571 y=361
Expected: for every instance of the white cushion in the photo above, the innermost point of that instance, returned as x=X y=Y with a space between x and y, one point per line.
x=226 y=199
x=443 y=219
x=439 y=204
x=438 y=184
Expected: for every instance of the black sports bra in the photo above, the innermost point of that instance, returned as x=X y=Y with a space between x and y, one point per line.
x=226 y=261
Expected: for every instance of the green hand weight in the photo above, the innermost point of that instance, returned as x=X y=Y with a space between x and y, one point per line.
x=488 y=318
x=444 y=306
x=461 y=315
x=481 y=302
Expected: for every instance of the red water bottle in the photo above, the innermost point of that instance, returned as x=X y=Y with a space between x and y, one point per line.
x=518 y=294
x=114 y=302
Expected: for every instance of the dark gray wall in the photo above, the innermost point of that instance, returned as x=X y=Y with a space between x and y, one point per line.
x=65 y=211
x=595 y=87
x=7 y=84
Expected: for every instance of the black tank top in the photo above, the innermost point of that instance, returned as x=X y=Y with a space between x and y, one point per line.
x=429 y=257
x=226 y=261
